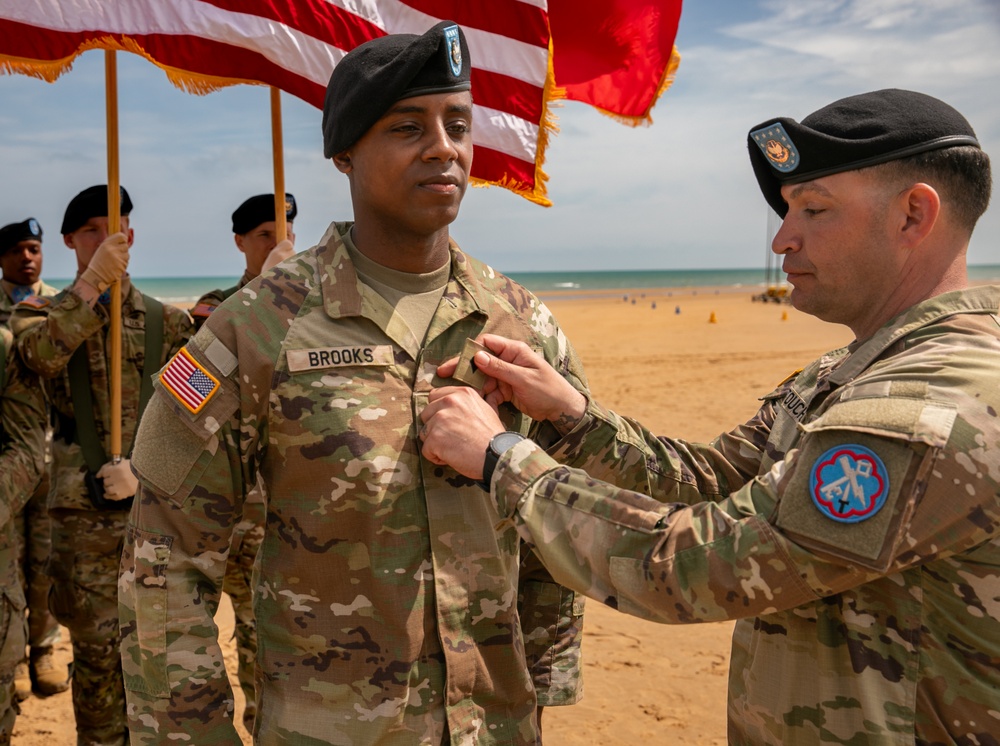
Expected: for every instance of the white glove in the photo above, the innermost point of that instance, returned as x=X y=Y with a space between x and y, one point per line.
x=108 y=262
x=282 y=251
x=119 y=481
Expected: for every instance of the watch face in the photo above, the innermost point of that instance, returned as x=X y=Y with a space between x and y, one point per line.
x=503 y=441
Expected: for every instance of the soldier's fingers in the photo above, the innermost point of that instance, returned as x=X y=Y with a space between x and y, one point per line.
x=509 y=350
x=447 y=368
x=443 y=397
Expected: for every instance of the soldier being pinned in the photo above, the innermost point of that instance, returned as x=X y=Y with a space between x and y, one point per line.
x=388 y=609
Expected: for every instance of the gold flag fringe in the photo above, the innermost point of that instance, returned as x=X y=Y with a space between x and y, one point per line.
x=51 y=70
x=646 y=118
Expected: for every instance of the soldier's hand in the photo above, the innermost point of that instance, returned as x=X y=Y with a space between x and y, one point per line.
x=524 y=378
x=119 y=481
x=457 y=428
x=282 y=251
x=108 y=263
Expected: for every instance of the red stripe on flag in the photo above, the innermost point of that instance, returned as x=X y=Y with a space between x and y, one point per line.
x=187 y=53
x=505 y=93
x=499 y=168
x=515 y=20
x=317 y=18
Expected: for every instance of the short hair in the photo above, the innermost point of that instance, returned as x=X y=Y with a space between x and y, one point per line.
x=961 y=175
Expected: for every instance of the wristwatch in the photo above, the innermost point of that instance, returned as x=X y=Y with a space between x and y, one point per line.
x=499 y=445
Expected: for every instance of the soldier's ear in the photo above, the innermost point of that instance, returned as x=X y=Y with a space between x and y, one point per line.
x=920 y=206
x=343 y=162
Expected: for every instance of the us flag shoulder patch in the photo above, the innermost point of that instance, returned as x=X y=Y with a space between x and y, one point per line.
x=188 y=381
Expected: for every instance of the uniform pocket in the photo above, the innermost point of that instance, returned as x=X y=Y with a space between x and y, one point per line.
x=144 y=647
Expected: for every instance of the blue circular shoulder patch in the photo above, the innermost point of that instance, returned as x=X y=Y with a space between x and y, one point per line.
x=849 y=483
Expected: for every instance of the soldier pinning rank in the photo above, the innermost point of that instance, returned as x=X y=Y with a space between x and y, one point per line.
x=855 y=537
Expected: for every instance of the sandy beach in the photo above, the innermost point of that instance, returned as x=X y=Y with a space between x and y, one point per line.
x=656 y=356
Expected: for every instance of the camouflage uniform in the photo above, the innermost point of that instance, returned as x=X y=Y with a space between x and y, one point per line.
x=87 y=542
x=34 y=529
x=22 y=460
x=388 y=609
x=248 y=533
x=884 y=630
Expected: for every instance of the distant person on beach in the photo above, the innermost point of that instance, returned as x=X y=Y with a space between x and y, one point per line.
x=389 y=611
x=853 y=525
x=21 y=270
x=64 y=338
x=255 y=235
x=22 y=461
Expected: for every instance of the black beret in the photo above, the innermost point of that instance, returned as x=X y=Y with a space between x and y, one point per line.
x=852 y=133
x=375 y=75
x=92 y=202
x=11 y=235
x=260 y=209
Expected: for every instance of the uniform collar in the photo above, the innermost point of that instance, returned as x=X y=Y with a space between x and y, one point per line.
x=345 y=295
x=12 y=291
x=982 y=299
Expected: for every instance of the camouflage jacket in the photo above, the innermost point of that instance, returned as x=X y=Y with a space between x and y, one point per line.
x=7 y=302
x=49 y=330
x=213 y=299
x=853 y=526
x=388 y=609
x=22 y=457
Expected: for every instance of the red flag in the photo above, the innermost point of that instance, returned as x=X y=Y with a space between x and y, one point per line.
x=294 y=45
x=616 y=55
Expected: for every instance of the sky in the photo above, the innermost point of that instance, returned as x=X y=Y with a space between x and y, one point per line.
x=679 y=194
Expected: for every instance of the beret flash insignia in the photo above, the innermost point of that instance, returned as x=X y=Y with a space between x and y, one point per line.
x=454 y=49
x=777 y=147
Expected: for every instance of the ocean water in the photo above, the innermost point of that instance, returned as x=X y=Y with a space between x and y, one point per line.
x=186 y=290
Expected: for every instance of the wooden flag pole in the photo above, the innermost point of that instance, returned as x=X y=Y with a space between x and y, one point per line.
x=280 y=223
x=114 y=225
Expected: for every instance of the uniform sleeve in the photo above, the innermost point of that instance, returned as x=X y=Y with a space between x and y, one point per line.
x=22 y=408
x=552 y=615
x=192 y=481
x=49 y=330
x=612 y=448
x=863 y=495
x=617 y=449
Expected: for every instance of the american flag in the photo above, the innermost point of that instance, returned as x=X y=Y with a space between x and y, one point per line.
x=616 y=55
x=188 y=381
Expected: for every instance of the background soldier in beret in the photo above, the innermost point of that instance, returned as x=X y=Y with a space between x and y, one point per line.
x=21 y=266
x=853 y=525
x=22 y=449
x=64 y=339
x=255 y=235
x=388 y=610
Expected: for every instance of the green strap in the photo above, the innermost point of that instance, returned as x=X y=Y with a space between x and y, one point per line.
x=230 y=291
x=79 y=385
x=83 y=411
